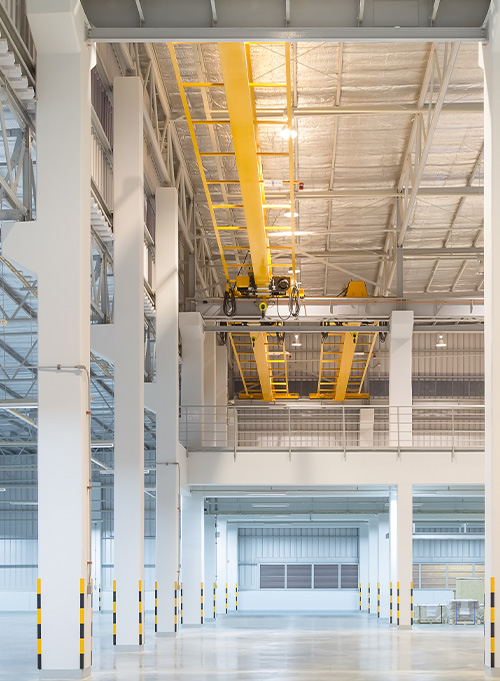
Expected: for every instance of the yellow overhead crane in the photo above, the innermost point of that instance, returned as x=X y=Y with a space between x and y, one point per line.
x=258 y=356
x=344 y=357
x=247 y=347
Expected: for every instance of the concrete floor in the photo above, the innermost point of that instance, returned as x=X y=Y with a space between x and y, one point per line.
x=268 y=647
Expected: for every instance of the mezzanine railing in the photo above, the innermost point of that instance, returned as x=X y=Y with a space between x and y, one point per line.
x=331 y=427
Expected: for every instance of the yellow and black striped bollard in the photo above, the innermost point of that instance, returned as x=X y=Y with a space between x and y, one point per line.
x=82 y=624
x=175 y=606
x=201 y=611
x=114 y=612
x=397 y=600
x=140 y=613
x=360 y=595
x=182 y=607
x=378 y=599
x=369 y=598
x=411 y=601
x=492 y=623
x=214 y=600
x=39 y=623
x=390 y=602
x=226 y=598
x=99 y=598
x=156 y=607
x=236 y=596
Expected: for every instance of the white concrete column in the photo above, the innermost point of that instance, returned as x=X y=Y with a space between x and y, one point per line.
x=400 y=379
x=404 y=552
x=193 y=554
x=383 y=563
x=364 y=563
x=164 y=397
x=128 y=187
x=210 y=565
x=373 y=577
x=232 y=564
x=57 y=248
x=393 y=548
x=96 y=562
x=221 y=529
x=209 y=388
x=192 y=378
x=366 y=425
x=221 y=378
x=491 y=63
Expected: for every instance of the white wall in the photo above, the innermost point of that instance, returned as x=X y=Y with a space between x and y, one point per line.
x=310 y=599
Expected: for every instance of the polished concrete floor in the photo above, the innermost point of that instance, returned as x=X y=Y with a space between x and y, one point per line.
x=268 y=647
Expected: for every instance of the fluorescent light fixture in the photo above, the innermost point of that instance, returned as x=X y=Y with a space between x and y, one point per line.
x=23 y=503
x=270 y=505
x=288 y=214
x=105 y=444
x=441 y=343
x=2 y=489
x=108 y=471
x=288 y=133
x=292 y=272
x=296 y=343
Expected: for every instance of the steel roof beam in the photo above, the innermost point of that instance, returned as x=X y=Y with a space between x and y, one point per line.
x=460 y=327
x=335 y=20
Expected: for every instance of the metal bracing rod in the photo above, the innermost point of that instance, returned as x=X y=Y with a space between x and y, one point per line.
x=470 y=180
x=415 y=156
x=356 y=275
x=338 y=94
x=431 y=278
x=435 y=10
x=415 y=177
x=459 y=275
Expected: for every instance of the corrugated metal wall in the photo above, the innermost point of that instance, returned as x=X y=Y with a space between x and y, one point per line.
x=257 y=546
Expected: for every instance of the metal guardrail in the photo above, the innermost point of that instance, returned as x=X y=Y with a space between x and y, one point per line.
x=280 y=427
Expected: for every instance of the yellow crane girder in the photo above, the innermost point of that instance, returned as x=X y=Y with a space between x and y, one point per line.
x=239 y=103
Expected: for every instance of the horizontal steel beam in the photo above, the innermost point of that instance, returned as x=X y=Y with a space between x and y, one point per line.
x=362 y=110
x=367 y=328
x=273 y=20
x=414 y=253
x=378 y=193
x=270 y=34
x=427 y=309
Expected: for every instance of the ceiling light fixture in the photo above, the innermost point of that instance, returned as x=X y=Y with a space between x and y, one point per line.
x=296 y=343
x=288 y=133
x=270 y=505
x=288 y=214
x=441 y=343
x=293 y=272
